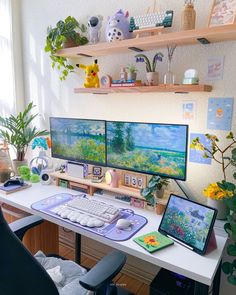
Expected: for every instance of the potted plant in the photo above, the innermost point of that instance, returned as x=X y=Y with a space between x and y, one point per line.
x=131 y=72
x=67 y=33
x=152 y=75
x=155 y=191
x=17 y=132
x=223 y=191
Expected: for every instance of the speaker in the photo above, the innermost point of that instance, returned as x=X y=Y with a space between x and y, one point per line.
x=45 y=177
x=77 y=169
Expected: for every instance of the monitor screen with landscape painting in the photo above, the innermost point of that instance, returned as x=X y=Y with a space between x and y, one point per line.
x=79 y=140
x=150 y=148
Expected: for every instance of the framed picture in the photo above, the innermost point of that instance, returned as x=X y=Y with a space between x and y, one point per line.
x=223 y=12
x=97 y=171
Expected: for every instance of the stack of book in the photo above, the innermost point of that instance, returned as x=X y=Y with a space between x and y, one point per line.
x=126 y=83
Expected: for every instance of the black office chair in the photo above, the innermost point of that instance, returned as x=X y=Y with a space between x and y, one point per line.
x=21 y=272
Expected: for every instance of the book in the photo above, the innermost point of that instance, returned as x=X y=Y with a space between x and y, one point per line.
x=153 y=241
x=13 y=188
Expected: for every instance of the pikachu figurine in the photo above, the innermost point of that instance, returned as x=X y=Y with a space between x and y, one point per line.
x=91 y=72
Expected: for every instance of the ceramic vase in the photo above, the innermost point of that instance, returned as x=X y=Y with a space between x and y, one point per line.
x=152 y=78
x=220 y=205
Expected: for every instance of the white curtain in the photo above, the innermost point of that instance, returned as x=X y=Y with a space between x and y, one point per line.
x=7 y=83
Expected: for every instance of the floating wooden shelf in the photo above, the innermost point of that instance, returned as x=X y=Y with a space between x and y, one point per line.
x=143 y=89
x=206 y=35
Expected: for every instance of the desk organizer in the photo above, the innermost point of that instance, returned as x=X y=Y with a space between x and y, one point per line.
x=108 y=230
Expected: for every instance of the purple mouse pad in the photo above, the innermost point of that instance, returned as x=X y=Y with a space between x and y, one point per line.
x=108 y=230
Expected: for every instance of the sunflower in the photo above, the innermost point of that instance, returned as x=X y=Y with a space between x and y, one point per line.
x=151 y=240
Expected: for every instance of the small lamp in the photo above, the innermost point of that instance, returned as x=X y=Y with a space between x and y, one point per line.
x=112 y=178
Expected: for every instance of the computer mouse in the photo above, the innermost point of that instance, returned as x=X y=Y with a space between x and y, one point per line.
x=123 y=224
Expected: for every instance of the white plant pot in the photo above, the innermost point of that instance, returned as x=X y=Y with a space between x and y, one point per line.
x=152 y=78
x=220 y=205
x=131 y=76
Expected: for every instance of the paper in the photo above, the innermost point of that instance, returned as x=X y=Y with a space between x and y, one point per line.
x=196 y=156
x=220 y=111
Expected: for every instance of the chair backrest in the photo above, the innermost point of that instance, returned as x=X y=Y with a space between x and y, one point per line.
x=20 y=272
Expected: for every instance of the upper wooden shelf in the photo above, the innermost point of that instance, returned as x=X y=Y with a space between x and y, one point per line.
x=143 y=89
x=211 y=35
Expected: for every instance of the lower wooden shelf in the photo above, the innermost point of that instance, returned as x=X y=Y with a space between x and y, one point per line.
x=91 y=187
x=176 y=88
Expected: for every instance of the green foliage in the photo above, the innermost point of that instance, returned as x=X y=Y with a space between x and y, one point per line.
x=82 y=149
x=226 y=157
x=131 y=68
x=156 y=183
x=66 y=30
x=17 y=132
x=118 y=143
x=129 y=140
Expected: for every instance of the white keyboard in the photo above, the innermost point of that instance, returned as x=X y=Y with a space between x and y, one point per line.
x=155 y=19
x=87 y=212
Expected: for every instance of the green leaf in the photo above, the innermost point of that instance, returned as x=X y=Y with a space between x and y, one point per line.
x=227 y=268
x=231 y=250
x=227 y=228
x=232 y=279
x=234 y=264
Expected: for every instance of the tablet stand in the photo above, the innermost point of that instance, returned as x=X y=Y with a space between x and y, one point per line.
x=212 y=245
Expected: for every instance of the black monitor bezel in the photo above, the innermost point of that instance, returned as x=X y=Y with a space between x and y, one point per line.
x=149 y=172
x=73 y=159
x=182 y=242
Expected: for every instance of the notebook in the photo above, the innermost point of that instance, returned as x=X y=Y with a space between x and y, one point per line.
x=13 y=188
x=153 y=241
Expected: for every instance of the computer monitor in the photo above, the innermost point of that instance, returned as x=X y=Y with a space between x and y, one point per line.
x=79 y=140
x=158 y=149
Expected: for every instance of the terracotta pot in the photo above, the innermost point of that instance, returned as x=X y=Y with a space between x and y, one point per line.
x=220 y=205
x=160 y=208
x=152 y=78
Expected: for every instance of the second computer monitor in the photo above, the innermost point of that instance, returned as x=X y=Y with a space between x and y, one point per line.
x=148 y=148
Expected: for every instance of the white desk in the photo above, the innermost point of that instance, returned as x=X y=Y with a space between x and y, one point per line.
x=175 y=258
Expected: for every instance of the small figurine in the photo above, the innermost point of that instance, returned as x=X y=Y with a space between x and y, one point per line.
x=118 y=27
x=94 y=26
x=91 y=72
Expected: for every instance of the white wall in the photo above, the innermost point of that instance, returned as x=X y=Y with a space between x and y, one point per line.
x=56 y=98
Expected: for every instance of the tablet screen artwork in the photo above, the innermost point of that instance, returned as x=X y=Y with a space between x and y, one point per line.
x=188 y=222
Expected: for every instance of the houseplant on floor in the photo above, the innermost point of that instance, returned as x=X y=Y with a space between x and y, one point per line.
x=17 y=132
x=152 y=75
x=67 y=33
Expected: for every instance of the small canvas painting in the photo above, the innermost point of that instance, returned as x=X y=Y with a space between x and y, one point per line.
x=215 y=68
x=195 y=155
x=220 y=111
x=222 y=13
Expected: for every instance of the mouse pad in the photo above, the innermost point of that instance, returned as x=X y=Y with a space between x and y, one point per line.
x=108 y=230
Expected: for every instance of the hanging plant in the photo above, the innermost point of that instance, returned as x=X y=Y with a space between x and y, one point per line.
x=65 y=31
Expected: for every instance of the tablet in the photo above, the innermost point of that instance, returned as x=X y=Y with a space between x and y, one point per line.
x=188 y=223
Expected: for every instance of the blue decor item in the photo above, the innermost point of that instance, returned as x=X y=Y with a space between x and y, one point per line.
x=220 y=112
x=40 y=142
x=196 y=156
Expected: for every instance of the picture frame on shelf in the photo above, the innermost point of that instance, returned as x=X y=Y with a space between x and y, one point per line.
x=223 y=12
